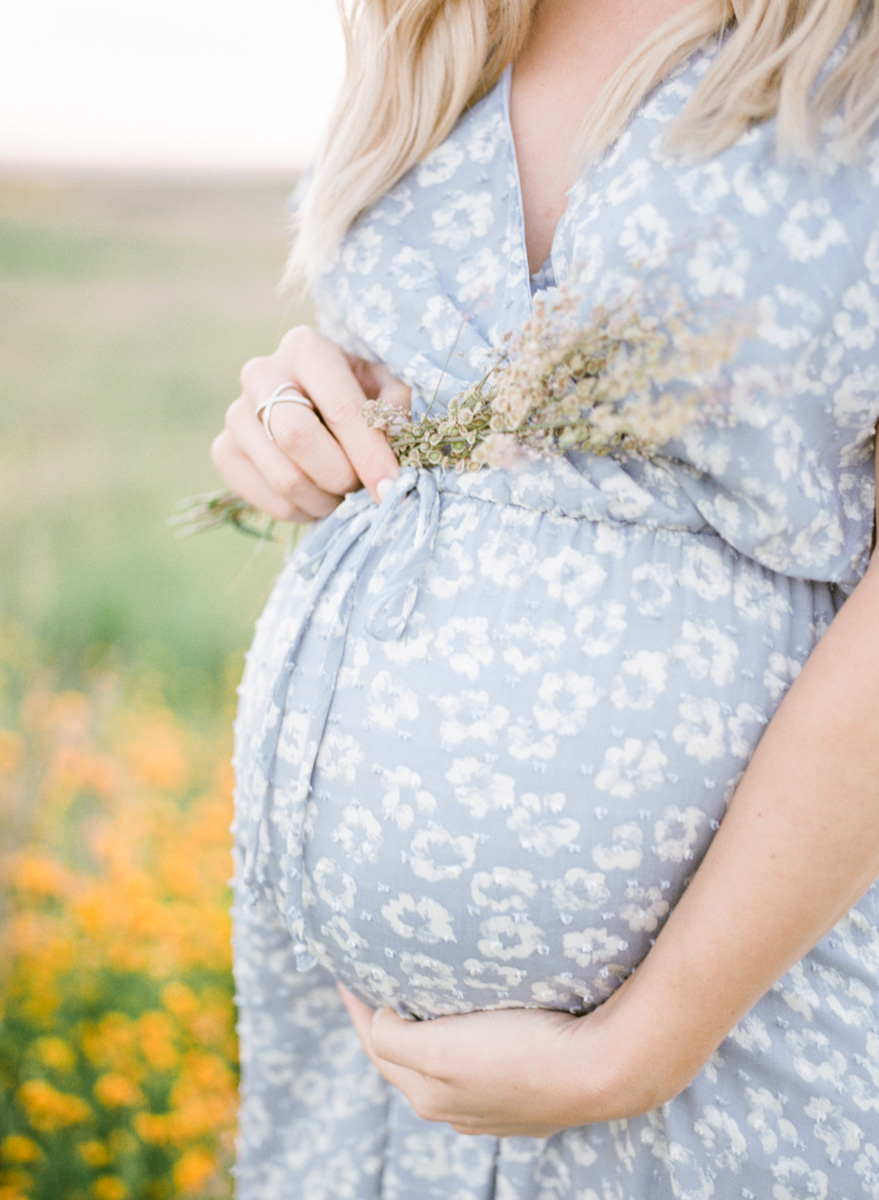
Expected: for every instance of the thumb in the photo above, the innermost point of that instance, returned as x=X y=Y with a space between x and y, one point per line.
x=332 y=381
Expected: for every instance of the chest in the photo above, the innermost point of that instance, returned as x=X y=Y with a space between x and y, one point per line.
x=571 y=53
x=545 y=118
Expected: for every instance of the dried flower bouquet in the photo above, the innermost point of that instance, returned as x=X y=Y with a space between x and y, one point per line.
x=626 y=381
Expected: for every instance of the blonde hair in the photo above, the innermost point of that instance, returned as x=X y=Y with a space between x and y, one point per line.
x=415 y=65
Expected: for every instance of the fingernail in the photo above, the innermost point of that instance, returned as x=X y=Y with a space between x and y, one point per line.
x=383 y=487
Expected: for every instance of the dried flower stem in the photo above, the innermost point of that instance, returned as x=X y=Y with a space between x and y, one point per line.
x=624 y=382
x=212 y=510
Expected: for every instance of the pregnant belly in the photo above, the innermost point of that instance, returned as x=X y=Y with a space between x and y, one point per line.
x=510 y=795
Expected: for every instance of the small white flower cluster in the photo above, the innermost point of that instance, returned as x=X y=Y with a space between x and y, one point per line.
x=628 y=380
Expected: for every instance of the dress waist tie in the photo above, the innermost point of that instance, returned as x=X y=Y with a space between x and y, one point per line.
x=356 y=536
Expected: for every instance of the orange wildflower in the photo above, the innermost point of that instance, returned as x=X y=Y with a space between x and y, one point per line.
x=70 y=713
x=154 y=1128
x=156 y=753
x=180 y=1000
x=111 y=1042
x=192 y=1171
x=225 y=779
x=180 y=872
x=118 y=902
x=41 y=875
x=73 y=769
x=214 y=1021
x=117 y=1091
x=156 y=1036
x=48 y=1109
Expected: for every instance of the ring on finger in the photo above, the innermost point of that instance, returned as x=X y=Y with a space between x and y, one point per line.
x=285 y=392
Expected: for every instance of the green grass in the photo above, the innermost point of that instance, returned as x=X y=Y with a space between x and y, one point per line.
x=129 y=306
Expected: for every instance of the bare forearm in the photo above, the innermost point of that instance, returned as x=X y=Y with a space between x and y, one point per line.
x=798 y=847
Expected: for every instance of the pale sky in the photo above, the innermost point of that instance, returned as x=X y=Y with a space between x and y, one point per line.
x=166 y=83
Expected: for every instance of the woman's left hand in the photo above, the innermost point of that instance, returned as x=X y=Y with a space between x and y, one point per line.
x=510 y=1072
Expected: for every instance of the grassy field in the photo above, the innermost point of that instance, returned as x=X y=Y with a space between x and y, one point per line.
x=128 y=308
x=129 y=305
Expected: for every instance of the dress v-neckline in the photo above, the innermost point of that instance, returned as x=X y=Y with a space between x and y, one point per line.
x=537 y=279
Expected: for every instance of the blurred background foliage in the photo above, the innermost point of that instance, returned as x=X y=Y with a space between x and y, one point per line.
x=129 y=306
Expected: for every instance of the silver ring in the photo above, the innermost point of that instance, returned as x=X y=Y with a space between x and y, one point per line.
x=285 y=392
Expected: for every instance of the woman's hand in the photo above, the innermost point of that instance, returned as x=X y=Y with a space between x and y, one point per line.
x=316 y=456
x=509 y=1073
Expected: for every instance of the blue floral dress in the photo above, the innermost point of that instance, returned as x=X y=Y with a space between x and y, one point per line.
x=488 y=730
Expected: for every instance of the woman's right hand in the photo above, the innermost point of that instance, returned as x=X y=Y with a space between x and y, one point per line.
x=316 y=456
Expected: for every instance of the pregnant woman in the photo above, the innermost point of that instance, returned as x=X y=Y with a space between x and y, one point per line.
x=569 y=773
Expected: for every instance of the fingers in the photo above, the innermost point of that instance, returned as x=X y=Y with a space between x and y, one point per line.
x=362 y=1016
x=414 y=1045
x=315 y=455
x=389 y=1041
x=299 y=438
x=398 y=1047
x=298 y=432
x=303 y=440
x=324 y=373
x=247 y=482
x=384 y=1033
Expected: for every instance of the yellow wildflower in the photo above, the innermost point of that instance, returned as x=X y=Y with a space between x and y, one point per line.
x=207 y=1072
x=94 y=1153
x=109 y=1187
x=180 y=872
x=211 y=1025
x=225 y=781
x=20 y=1149
x=55 y=1052
x=15 y=1189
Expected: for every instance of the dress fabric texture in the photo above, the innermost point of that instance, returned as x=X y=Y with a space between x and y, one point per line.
x=487 y=730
